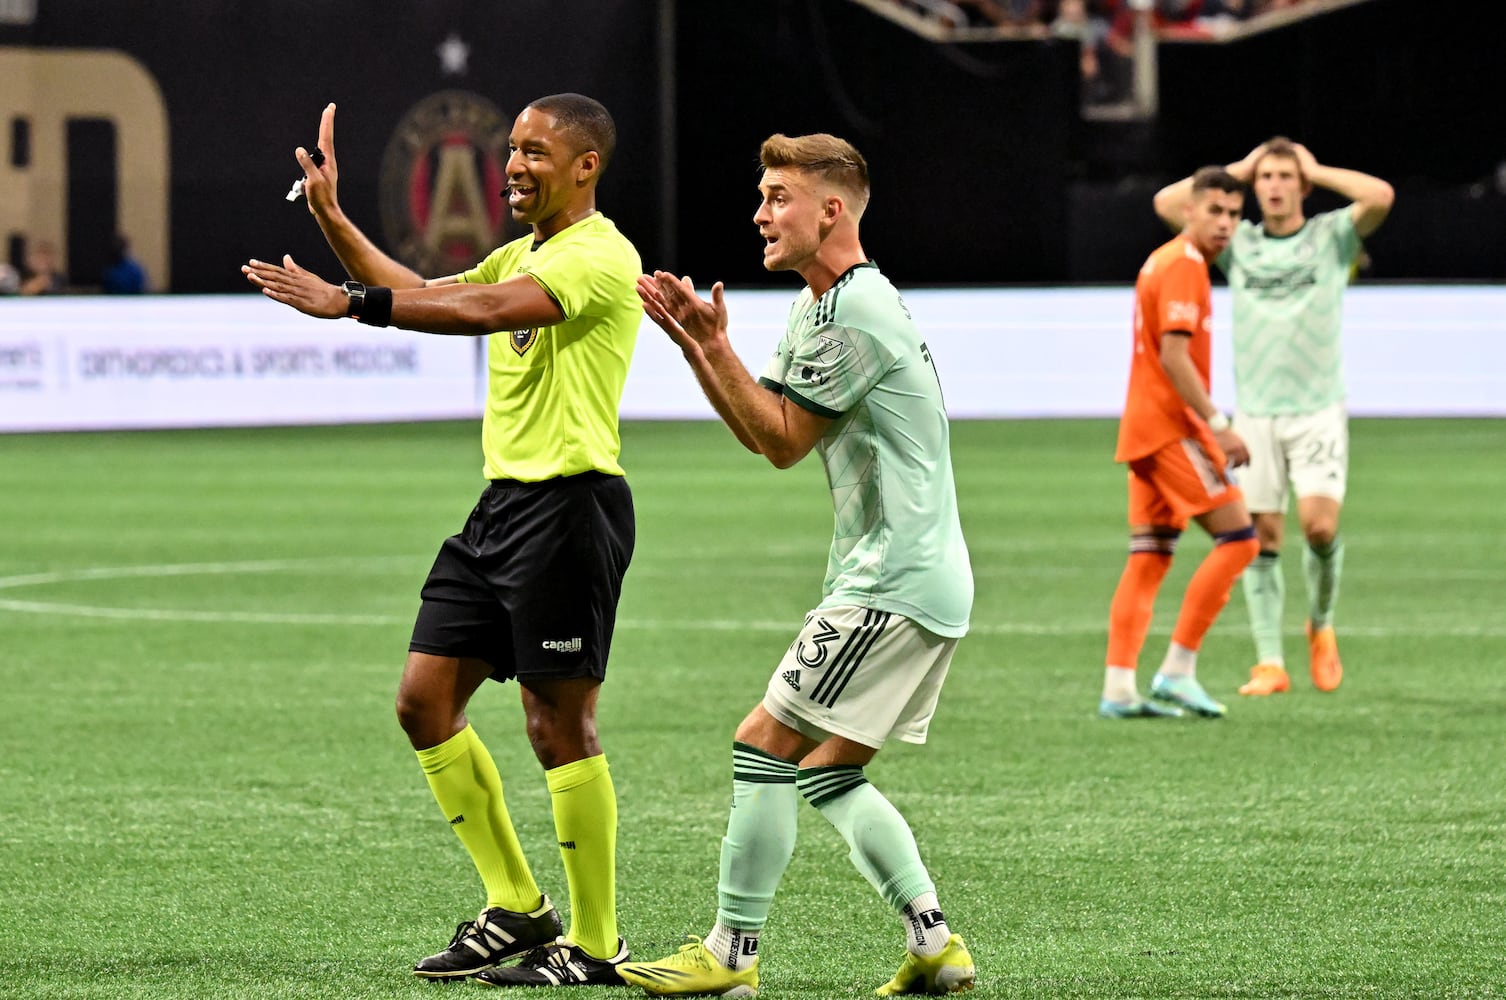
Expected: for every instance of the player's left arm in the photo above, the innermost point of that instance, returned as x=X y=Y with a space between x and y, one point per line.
x=1371 y=197
x=1176 y=362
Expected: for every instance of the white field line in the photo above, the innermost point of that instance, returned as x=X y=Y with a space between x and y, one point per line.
x=68 y=609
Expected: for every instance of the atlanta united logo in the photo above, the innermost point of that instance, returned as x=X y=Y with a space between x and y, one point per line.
x=440 y=178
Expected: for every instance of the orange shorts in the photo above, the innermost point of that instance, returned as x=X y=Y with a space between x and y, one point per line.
x=1178 y=482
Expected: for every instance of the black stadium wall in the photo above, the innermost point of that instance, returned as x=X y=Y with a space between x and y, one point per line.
x=984 y=173
x=244 y=84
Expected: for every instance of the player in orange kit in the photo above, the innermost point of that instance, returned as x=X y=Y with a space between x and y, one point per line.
x=1177 y=445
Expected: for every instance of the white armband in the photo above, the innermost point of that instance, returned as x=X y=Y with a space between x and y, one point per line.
x=1218 y=422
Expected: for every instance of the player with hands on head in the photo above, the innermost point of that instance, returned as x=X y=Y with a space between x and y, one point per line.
x=1287 y=276
x=852 y=380
x=528 y=589
x=1177 y=446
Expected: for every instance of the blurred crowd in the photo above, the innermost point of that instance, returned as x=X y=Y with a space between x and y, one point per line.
x=1105 y=28
x=39 y=272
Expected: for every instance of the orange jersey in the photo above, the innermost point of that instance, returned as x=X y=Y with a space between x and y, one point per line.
x=1172 y=293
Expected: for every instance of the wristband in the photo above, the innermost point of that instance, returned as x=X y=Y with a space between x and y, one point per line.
x=1217 y=423
x=378 y=310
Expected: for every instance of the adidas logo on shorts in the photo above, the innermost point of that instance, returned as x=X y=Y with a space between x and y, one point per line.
x=792 y=678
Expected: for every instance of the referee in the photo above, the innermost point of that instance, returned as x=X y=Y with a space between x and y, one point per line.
x=528 y=589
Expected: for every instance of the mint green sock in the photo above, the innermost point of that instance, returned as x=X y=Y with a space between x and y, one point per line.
x=760 y=837
x=1265 y=597
x=879 y=840
x=1323 y=567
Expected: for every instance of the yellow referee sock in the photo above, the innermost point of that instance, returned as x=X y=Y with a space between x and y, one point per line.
x=585 y=820
x=468 y=788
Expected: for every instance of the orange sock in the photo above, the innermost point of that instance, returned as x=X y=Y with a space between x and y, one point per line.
x=1134 y=603
x=1209 y=589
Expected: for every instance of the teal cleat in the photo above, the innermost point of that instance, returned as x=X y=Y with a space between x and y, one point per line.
x=1188 y=693
x=1137 y=710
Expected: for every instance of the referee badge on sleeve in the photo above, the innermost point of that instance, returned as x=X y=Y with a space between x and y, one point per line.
x=522 y=340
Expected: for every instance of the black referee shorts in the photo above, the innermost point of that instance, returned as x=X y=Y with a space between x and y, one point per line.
x=530 y=585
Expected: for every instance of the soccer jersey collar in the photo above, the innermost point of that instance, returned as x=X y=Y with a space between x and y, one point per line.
x=1286 y=236
x=595 y=214
x=847 y=273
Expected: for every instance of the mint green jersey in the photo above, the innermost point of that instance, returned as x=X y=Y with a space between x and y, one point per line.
x=1288 y=296
x=855 y=355
x=552 y=393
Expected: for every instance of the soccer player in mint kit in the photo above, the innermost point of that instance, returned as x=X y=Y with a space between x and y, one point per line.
x=1287 y=276
x=529 y=588
x=852 y=380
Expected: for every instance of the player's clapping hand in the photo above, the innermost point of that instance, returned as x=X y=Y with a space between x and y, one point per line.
x=673 y=304
x=292 y=285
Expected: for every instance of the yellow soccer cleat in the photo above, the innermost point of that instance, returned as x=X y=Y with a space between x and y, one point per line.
x=691 y=972
x=1323 y=648
x=1266 y=678
x=949 y=971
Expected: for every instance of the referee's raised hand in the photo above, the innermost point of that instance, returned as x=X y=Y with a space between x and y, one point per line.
x=320 y=178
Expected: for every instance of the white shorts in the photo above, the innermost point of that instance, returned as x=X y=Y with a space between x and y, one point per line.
x=866 y=675
x=1307 y=451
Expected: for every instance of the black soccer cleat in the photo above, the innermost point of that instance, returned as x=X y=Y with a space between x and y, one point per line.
x=494 y=936
x=559 y=963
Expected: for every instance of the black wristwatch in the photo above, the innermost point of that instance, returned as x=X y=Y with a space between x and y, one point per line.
x=357 y=293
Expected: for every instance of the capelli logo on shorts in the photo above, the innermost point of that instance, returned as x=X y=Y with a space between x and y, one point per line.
x=564 y=645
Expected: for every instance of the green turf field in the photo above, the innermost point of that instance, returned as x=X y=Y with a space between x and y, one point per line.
x=204 y=792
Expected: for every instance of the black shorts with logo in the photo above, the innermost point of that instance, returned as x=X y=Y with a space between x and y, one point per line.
x=530 y=585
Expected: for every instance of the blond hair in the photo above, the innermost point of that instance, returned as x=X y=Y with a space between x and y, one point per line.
x=835 y=160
